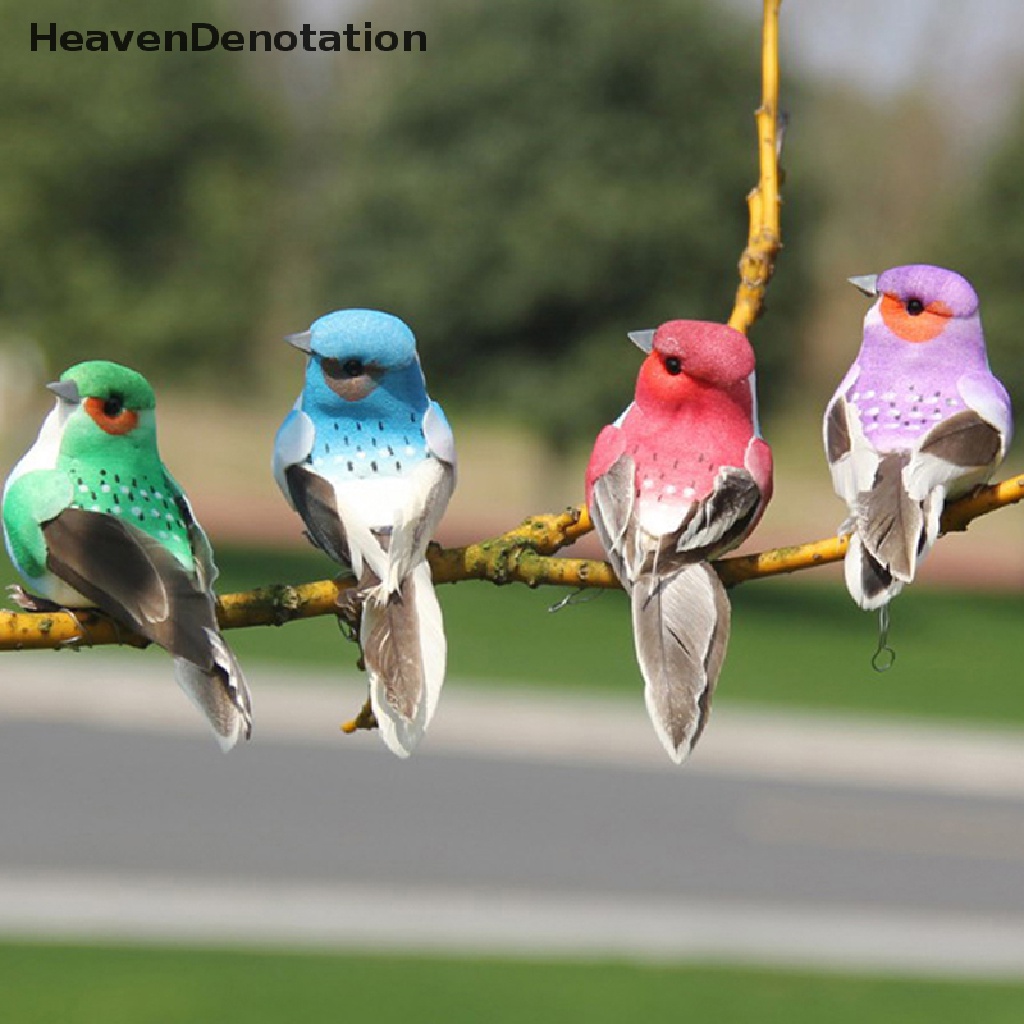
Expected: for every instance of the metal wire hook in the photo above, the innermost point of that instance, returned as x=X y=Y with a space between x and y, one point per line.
x=579 y=596
x=884 y=657
x=348 y=630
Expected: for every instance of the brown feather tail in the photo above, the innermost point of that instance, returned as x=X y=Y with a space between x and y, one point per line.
x=890 y=536
x=220 y=692
x=404 y=649
x=681 y=629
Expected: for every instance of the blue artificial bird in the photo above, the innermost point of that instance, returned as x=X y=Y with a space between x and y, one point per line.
x=368 y=461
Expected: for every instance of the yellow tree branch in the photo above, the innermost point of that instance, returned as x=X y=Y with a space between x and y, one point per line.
x=764 y=202
x=523 y=555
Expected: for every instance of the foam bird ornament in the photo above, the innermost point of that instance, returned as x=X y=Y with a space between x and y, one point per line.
x=918 y=418
x=368 y=461
x=680 y=478
x=92 y=518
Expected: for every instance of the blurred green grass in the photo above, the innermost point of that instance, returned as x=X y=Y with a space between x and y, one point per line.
x=794 y=643
x=44 y=983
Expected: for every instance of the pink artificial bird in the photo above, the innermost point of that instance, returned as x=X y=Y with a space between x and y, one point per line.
x=680 y=478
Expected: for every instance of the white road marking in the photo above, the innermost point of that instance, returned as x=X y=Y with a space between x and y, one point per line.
x=475 y=922
x=136 y=691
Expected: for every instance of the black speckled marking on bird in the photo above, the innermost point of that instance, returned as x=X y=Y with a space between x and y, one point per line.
x=150 y=503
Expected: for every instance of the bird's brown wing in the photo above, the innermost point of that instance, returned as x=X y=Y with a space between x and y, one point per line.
x=314 y=499
x=135 y=579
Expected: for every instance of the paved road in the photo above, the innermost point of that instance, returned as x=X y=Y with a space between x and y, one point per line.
x=563 y=829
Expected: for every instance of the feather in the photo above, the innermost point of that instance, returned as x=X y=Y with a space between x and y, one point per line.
x=954 y=456
x=426 y=499
x=855 y=463
x=405 y=650
x=363 y=544
x=681 y=629
x=612 y=499
x=292 y=445
x=870 y=584
x=965 y=441
x=136 y=580
x=988 y=398
x=438 y=434
x=894 y=529
x=889 y=521
x=313 y=497
x=755 y=417
x=219 y=693
x=202 y=551
x=333 y=523
x=837 y=431
x=725 y=516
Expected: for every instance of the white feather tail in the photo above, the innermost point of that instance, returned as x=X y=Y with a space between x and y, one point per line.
x=405 y=651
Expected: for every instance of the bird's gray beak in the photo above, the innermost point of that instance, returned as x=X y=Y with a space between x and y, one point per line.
x=66 y=390
x=642 y=339
x=867 y=283
x=300 y=341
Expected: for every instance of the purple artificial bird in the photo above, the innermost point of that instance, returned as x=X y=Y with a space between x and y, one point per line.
x=681 y=477
x=918 y=418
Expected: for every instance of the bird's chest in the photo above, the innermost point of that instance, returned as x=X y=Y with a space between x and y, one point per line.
x=678 y=456
x=142 y=495
x=897 y=409
x=368 y=449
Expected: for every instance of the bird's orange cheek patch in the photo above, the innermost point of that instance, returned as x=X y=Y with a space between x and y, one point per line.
x=123 y=422
x=923 y=327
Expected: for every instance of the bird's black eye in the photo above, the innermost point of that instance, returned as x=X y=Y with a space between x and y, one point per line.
x=674 y=365
x=915 y=307
x=114 y=405
x=338 y=370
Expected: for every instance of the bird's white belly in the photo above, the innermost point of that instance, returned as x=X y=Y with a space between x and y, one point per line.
x=661 y=518
x=56 y=590
x=376 y=500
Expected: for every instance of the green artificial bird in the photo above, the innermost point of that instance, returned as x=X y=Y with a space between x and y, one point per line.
x=92 y=518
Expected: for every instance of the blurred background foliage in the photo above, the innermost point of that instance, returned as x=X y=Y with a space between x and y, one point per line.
x=547 y=178
x=985 y=235
x=136 y=194
x=544 y=178
x=513 y=193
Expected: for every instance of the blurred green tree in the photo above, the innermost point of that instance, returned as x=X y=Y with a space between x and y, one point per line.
x=984 y=239
x=134 y=192
x=544 y=178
